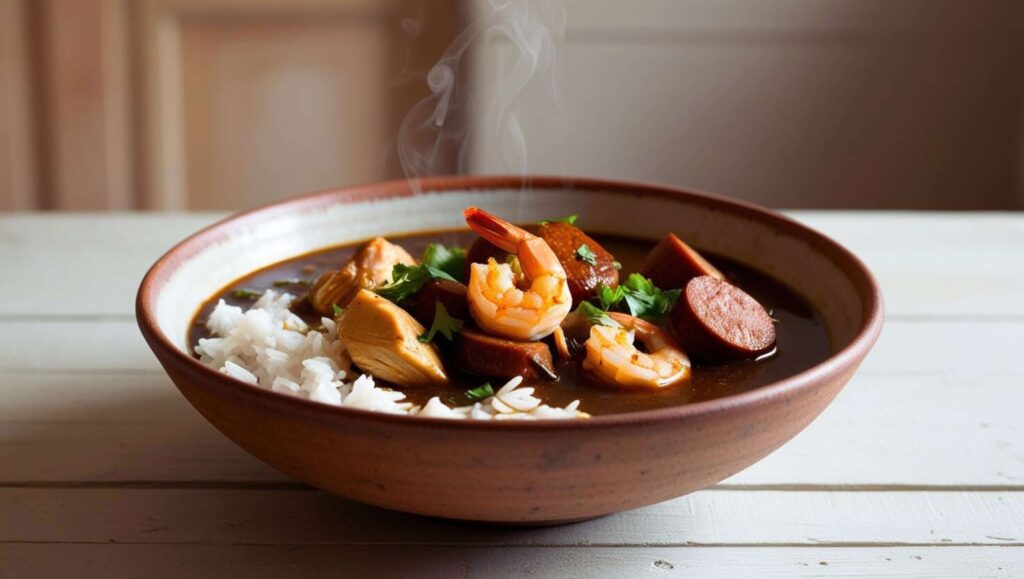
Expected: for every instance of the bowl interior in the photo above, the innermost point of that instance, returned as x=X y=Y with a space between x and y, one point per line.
x=770 y=244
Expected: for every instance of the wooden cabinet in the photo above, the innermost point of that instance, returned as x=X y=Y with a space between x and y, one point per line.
x=205 y=104
x=226 y=104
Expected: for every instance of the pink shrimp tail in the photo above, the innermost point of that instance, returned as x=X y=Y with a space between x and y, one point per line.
x=495 y=229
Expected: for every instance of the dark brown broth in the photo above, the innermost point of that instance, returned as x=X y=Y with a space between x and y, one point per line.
x=802 y=336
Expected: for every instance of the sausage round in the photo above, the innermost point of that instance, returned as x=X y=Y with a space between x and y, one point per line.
x=475 y=352
x=565 y=240
x=451 y=294
x=717 y=322
x=672 y=263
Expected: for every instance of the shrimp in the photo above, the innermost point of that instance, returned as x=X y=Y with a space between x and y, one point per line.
x=612 y=357
x=527 y=306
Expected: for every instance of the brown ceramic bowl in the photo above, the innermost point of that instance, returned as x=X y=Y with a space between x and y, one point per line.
x=510 y=472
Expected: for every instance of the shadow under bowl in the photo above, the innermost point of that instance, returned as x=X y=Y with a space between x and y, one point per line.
x=510 y=472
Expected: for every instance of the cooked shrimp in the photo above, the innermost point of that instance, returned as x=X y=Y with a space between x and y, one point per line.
x=612 y=357
x=529 y=306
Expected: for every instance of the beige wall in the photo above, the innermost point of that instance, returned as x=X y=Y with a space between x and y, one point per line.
x=224 y=104
x=792 y=103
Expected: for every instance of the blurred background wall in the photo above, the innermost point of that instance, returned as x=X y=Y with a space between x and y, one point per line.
x=226 y=104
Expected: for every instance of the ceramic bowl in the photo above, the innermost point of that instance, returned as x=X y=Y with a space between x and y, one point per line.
x=510 y=472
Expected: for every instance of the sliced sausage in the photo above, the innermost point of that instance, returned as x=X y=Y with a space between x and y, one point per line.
x=672 y=263
x=584 y=277
x=475 y=352
x=717 y=322
x=452 y=295
x=565 y=240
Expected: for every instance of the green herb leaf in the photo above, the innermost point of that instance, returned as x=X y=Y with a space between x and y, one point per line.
x=586 y=255
x=616 y=265
x=451 y=260
x=570 y=219
x=609 y=297
x=246 y=294
x=290 y=281
x=406 y=280
x=480 y=392
x=337 y=310
x=444 y=323
x=645 y=300
x=642 y=298
x=596 y=316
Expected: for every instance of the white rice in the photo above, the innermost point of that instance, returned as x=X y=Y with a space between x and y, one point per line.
x=271 y=347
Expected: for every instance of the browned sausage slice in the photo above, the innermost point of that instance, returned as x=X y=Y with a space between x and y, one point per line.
x=584 y=276
x=452 y=295
x=484 y=355
x=717 y=322
x=565 y=240
x=672 y=263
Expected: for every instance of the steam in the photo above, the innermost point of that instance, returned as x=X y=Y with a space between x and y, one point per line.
x=438 y=125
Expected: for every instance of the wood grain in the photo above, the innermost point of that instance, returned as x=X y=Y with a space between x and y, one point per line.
x=18 y=170
x=713 y=517
x=443 y=562
x=87 y=100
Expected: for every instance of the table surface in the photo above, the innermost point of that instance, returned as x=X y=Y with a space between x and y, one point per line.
x=916 y=469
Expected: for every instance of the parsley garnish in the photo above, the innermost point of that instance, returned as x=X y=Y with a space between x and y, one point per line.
x=596 y=316
x=480 y=392
x=570 y=219
x=586 y=255
x=443 y=322
x=451 y=260
x=406 y=280
x=643 y=299
x=246 y=294
x=338 y=310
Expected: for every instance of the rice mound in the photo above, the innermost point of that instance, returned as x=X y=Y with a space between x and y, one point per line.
x=269 y=346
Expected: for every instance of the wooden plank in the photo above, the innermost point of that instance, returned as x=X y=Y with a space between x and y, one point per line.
x=936 y=264
x=301 y=517
x=87 y=103
x=17 y=137
x=881 y=432
x=91 y=264
x=104 y=257
x=256 y=562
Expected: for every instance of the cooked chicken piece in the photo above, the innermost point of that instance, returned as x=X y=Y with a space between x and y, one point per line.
x=383 y=340
x=369 y=267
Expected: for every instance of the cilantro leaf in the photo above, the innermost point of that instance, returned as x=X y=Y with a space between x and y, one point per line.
x=570 y=219
x=406 y=280
x=609 y=297
x=337 y=310
x=645 y=300
x=444 y=323
x=246 y=294
x=480 y=392
x=642 y=298
x=586 y=255
x=451 y=260
x=596 y=316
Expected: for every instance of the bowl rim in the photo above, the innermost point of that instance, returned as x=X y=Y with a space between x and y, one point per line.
x=842 y=361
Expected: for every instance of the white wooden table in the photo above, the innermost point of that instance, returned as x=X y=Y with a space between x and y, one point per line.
x=916 y=469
